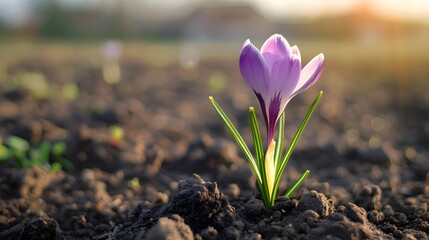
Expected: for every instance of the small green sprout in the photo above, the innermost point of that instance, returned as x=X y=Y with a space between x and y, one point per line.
x=25 y=156
x=274 y=73
x=70 y=91
x=59 y=162
x=134 y=183
x=4 y=153
x=36 y=83
x=116 y=135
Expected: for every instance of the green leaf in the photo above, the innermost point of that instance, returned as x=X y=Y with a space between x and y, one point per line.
x=294 y=141
x=4 y=153
x=55 y=167
x=40 y=155
x=116 y=132
x=278 y=154
x=66 y=164
x=70 y=91
x=260 y=156
x=238 y=139
x=17 y=144
x=257 y=140
x=58 y=148
x=297 y=136
x=279 y=140
x=20 y=159
x=134 y=183
x=297 y=183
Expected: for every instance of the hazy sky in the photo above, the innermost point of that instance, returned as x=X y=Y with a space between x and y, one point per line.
x=408 y=9
x=16 y=11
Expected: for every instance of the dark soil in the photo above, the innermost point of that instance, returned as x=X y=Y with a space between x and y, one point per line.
x=178 y=174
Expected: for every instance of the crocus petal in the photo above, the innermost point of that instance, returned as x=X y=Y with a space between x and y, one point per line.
x=285 y=82
x=281 y=91
x=310 y=74
x=263 y=107
x=254 y=69
x=274 y=111
x=275 y=46
x=295 y=52
x=270 y=170
x=284 y=65
x=277 y=54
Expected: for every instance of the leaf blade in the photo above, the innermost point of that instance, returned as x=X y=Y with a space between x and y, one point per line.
x=260 y=156
x=279 y=140
x=238 y=139
x=257 y=140
x=297 y=184
x=298 y=133
x=277 y=155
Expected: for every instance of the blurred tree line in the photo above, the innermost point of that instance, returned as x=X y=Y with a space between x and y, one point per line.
x=53 y=20
x=124 y=19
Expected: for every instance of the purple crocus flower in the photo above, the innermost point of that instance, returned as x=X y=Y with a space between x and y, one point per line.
x=274 y=73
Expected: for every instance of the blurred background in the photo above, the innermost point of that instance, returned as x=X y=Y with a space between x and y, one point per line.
x=381 y=32
x=375 y=79
x=388 y=36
